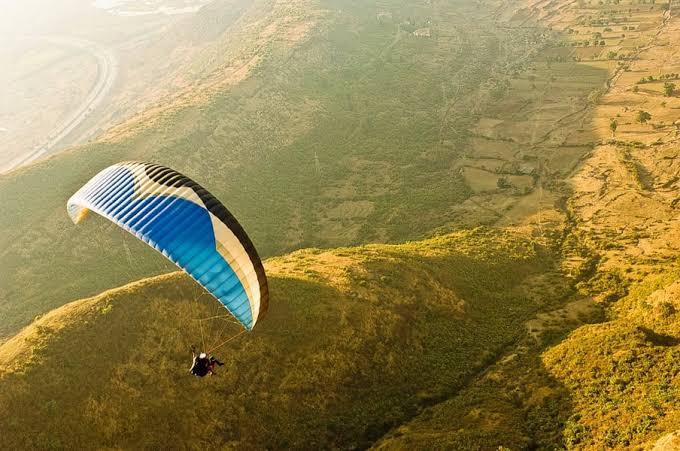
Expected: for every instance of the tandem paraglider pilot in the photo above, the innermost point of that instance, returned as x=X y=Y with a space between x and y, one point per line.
x=202 y=365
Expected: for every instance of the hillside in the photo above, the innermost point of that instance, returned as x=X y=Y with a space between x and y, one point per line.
x=341 y=123
x=340 y=128
x=357 y=340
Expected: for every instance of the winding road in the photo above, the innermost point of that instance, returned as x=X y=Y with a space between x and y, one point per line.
x=107 y=72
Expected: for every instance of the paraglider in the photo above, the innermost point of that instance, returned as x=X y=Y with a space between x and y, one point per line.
x=182 y=220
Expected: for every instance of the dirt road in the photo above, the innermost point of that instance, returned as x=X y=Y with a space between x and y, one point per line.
x=107 y=71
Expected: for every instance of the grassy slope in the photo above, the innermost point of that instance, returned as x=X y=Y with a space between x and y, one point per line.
x=612 y=384
x=357 y=340
x=354 y=94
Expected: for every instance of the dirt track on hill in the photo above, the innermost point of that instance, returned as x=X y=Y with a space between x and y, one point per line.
x=107 y=71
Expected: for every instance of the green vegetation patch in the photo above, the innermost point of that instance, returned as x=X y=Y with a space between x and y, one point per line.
x=623 y=375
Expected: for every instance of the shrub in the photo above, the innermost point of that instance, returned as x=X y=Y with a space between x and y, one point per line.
x=642 y=117
x=668 y=89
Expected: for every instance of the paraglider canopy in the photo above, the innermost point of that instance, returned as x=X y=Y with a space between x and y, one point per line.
x=188 y=225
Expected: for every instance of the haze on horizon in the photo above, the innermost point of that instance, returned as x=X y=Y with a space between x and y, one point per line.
x=60 y=68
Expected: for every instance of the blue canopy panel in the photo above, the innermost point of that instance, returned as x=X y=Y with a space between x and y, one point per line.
x=184 y=222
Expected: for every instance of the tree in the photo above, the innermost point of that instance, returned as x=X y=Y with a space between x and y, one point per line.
x=643 y=116
x=668 y=89
x=503 y=182
x=613 y=125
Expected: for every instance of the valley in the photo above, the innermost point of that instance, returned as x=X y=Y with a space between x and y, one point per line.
x=514 y=166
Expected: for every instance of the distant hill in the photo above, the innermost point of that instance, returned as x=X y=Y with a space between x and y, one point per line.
x=196 y=51
x=357 y=341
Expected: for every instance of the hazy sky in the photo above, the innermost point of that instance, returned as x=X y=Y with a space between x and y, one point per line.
x=56 y=56
x=52 y=16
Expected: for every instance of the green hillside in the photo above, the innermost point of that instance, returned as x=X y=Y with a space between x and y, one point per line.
x=344 y=133
x=623 y=374
x=327 y=124
x=357 y=341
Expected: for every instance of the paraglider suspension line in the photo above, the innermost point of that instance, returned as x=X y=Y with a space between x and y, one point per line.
x=219 y=317
x=226 y=323
x=225 y=342
x=200 y=324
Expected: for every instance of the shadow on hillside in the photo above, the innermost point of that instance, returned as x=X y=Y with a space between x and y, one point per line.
x=508 y=398
x=658 y=339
